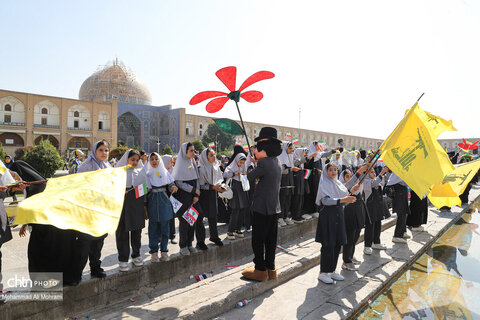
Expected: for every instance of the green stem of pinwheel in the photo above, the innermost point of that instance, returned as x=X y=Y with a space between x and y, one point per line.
x=243 y=128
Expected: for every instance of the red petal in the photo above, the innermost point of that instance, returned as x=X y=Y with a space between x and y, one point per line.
x=216 y=104
x=228 y=76
x=260 y=75
x=252 y=96
x=204 y=95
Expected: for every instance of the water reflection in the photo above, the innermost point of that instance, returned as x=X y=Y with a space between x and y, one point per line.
x=444 y=283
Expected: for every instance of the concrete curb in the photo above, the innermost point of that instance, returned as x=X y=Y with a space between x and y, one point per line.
x=254 y=289
x=100 y=292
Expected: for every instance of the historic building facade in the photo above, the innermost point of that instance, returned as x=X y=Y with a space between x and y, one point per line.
x=115 y=105
x=26 y=119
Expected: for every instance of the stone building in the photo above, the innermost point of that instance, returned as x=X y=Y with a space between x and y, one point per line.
x=27 y=118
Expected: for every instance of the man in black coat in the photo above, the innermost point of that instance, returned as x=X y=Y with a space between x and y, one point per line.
x=266 y=205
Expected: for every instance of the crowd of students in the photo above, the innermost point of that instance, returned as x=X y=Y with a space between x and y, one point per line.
x=314 y=183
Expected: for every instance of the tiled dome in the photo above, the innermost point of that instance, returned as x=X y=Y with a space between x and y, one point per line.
x=115 y=81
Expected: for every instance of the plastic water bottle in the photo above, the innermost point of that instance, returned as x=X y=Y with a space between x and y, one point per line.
x=242 y=303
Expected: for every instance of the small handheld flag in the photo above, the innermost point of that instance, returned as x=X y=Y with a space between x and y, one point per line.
x=308 y=173
x=295 y=141
x=191 y=215
x=245 y=147
x=140 y=190
x=288 y=134
x=211 y=145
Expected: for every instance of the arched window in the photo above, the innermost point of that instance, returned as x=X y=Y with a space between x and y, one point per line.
x=8 y=107
x=44 y=111
x=76 y=114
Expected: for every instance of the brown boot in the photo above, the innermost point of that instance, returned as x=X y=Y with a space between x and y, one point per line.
x=272 y=274
x=254 y=274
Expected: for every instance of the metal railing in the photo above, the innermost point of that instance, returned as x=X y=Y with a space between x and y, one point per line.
x=83 y=129
x=46 y=126
x=16 y=124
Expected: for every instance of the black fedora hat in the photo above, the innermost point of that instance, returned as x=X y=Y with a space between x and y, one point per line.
x=267 y=133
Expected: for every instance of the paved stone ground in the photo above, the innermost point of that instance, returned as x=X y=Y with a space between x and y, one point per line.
x=297 y=294
x=304 y=297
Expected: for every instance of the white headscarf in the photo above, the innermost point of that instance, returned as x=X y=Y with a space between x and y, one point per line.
x=92 y=163
x=135 y=176
x=166 y=160
x=298 y=154
x=342 y=180
x=328 y=187
x=158 y=176
x=233 y=167
x=312 y=148
x=394 y=179
x=185 y=169
x=209 y=172
x=338 y=162
x=284 y=157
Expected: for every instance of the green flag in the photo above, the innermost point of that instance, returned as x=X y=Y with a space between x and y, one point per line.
x=229 y=126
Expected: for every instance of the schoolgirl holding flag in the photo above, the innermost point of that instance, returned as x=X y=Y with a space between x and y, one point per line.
x=377 y=210
x=210 y=178
x=240 y=202
x=332 y=194
x=286 y=184
x=87 y=246
x=355 y=216
x=132 y=219
x=159 y=207
x=185 y=173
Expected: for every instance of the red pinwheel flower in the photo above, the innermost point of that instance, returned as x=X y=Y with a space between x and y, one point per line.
x=228 y=77
x=467 y=145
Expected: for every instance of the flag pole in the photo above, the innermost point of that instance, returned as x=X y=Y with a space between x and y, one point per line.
x=243 y=128
x=420 y=97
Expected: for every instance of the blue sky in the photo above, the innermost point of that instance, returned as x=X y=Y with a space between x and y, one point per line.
x=353 y=67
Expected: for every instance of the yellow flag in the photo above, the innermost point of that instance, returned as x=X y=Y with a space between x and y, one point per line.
x=90 y=202
x=5 y=176
x=436 y=124
x=446 y=192
x=413 y=153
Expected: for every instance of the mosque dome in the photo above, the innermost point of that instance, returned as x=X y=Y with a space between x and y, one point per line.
x=115 y=81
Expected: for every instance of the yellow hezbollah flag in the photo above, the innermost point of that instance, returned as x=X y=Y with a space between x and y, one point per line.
x=413 y=153
x=446 y=192
x=90 y=202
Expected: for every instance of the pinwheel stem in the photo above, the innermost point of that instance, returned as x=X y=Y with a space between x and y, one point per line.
x=243 y=128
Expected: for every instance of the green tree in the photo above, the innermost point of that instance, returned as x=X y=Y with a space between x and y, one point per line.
x=198 y=145
x=44 y=158
x=20 y=152
x=213 y=133
x=167 y=150
x=117 y=152
x=2 y=153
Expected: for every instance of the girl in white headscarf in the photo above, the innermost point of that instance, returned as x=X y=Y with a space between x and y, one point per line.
x=185 y=173
x=314 y=163
x=286 y=184
x=211 y=181
x=132 y=219
x=90 y=248
x=332 y=195
x=240 y=202
x=355 y=215
x=160 y=211
x=376 y=210
x=169 y=163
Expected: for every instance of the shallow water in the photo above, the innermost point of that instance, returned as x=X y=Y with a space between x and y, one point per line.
x=443 y=283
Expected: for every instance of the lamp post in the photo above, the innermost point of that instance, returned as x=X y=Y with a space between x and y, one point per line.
x=158 y=142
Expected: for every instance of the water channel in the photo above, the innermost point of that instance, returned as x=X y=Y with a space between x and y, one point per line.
x=443 y=283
